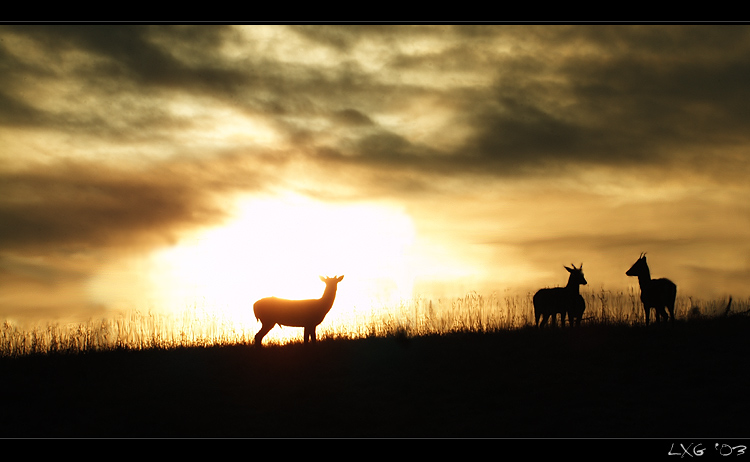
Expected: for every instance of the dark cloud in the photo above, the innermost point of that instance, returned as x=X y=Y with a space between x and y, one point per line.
x=623 y=97
x=112 y=79
x=130 y=52
x=590 y=94
x=84 y=205
x=351 y=117
x=14 y=112
x=620 y=96
x=641 y=106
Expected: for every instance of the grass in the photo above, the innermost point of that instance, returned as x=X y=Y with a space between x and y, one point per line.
x=201 y=326
x=467 y=367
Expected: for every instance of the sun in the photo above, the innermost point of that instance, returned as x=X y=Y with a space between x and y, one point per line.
x=280 y=245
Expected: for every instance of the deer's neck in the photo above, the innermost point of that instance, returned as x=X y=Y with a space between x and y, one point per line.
x=328 y=296
x=572 y=286
x=644 y=277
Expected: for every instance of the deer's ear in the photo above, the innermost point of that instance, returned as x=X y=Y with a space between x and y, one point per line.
x=339 y=279
x=322 y=278
x=569 y=270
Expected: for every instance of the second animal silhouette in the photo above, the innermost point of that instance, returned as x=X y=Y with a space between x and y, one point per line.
x=562 y=300
x=655 y=293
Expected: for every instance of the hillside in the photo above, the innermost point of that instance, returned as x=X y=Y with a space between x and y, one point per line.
x=686 y=381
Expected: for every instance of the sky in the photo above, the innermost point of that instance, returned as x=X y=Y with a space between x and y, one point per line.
x=142 y=165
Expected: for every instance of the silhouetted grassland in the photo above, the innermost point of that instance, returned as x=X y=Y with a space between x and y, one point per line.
x=201 y=326
x=605 y=379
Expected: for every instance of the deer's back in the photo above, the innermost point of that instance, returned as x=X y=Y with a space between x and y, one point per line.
x=659 y=292
x=556 y=299
x=294 y=313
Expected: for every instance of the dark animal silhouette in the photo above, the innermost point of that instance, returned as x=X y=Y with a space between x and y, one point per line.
x=655 y=293
x=295 y=313
x=563 y=300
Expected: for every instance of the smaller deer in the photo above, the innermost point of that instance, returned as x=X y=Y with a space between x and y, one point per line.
x=655 y=293
x=295 y=313
x=562 y=300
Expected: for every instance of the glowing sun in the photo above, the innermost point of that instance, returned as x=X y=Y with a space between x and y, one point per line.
x=279 y=246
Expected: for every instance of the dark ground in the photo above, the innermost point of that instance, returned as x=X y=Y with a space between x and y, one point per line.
x=686 y=381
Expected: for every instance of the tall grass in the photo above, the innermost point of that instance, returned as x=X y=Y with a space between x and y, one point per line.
x=202 y=326
x=133 y=331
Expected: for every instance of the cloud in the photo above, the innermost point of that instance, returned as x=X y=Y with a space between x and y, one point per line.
x=351 y=117
x=90 y=205
x=120 y=138
x=523 y=99
x=658 y=99
x=474 y=100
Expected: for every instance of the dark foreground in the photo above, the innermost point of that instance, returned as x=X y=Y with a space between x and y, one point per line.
x=688 y=381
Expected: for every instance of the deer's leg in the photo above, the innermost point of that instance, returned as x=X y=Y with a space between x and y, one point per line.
x=648 y=313
x=310 y=334
x=262 y=332
x=663 y=313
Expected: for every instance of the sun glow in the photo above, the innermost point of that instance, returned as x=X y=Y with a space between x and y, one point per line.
x=278 y=246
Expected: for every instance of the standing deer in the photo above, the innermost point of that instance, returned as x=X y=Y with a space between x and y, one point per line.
x=295 y=313
x=549 y=302
x=655 y=293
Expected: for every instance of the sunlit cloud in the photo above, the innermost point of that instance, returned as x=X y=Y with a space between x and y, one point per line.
x=510 y=150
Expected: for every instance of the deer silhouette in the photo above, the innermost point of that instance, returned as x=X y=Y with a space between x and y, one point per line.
x=563 y=300
x=655 y=293
x=295 y=313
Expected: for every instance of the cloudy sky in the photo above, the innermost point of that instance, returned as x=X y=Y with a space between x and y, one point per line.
x=433 y=159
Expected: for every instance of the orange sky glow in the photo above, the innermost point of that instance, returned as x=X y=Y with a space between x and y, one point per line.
x=147 y=167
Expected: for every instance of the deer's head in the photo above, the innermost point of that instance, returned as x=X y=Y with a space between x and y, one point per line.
x=333 y=280
x=639 y=267
x=576 y=274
